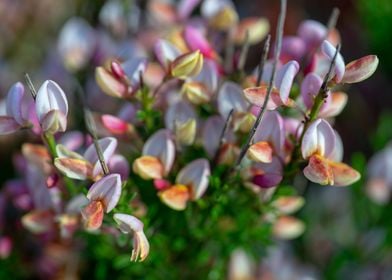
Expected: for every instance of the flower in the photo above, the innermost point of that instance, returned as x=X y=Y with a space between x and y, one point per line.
x=319 y=147
x=52 y=107
x=130 y=224
x=103 y=196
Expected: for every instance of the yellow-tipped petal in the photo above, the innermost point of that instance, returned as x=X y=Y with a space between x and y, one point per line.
x=187 y=65
x=343 y=174
x=175 y=197
x=260 y=152
x=186 y=132
x=148 y=167
x=196 y=92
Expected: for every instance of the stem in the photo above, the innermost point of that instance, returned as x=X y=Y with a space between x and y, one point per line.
x=30 y=85
x=263 y=59
x=244 y=52
x=278 y=46
x=222 y=135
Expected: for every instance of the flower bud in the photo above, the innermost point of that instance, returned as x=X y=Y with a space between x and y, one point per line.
x=186 y=132
x=148 y=167
x=187 y=65
x=196 y=92
x=52 y=107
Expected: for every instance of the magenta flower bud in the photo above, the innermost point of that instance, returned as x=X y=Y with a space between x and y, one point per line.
x=196 y=41
x=329 y=50
x=293 y=48
x=267 y=180
x=52 y=107
x=117 y=70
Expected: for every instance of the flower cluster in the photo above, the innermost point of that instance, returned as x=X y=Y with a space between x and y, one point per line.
x=189 y=116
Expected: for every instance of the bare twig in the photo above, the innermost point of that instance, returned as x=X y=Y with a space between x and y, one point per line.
x=30 y=85
x=222 y=135
x=263 y=59
x=244 y=52
x=278 y=46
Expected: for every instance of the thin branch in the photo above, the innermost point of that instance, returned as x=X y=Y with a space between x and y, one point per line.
x=91 y=127
x=31 y=86
x=244 y=52
x=222 y=135
x=263 y=59
x=278 y=47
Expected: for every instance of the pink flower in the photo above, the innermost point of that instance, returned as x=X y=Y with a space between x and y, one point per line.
x=103 y=196
x=319 y=147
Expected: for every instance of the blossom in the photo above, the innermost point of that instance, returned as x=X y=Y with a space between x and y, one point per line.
x=103 y=196
x=319 y=147
x=130 y=224
x=52 y=107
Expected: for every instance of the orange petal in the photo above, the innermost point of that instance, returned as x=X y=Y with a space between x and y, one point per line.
x=287 y=227
x=74 y=168
x=175 y=197
x=343 y=174
x=148 y=167
x=257 y=95
x=319 y=171
x=260 y=152
x=93 y=215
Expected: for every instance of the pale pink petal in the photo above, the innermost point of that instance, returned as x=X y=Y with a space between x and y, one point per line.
x=179 y=113
x=108 y=190
x=54 y=121
x=195 y=175
x=329 y=50
x=108 y=146
x=211 y=134
x=166 y=52
x=271 y=129
x=319 y=171
x=312 y=32
x=230 y=97
x=310 y=87
x=72 y=140
x=119 y=164
x=343 y=174
x=319 y=139
x=335 y=105
x=161 y=145
x=50 y=97
x=208 y=75
x=8 y=125
x=134 y=68
x=337 y=153
x=14 y=103
x=257 y=95
x=360 y=69
x=285 y=78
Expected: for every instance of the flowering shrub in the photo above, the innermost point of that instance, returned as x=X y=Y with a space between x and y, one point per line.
x=198 y=158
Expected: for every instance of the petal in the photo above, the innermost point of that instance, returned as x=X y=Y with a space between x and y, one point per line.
x=196 y=41
x=292 y=48
x=8 y=125
x=257 y=95
x=176 y=197
x=165 y=52
x=107 y=190
x=335 y=106
x=114 y=124
x=378 y=191
x=312 y=32
x=179 y=112
x=72 y=140
x=50 y=97
x=208 y=75
x=141 y=247
x=329 y=50
x=93 y=215
x=160 y=145
x=195 y=175
x=134 y=67
x=109 y=84
x=285 y=78
x=63 y=152
x=310 y=87
x=319 y=139
x=187 y=65
x=128 y=223
x=337 y=153
x=257 y=28
x=230 y=98
x=74 y=168
x=260 y=152
x=54 y=121
x=38 y=221
x=119 y=164
x=288 y=204
x=287 y=227
x=343 y=174
x=271 y=130
x=14 y=103
x=148 y=167
x=267 y=180
x=211 y=134
x=319 y=171
x=186 y=132
x=360 y=69
x=108 y=146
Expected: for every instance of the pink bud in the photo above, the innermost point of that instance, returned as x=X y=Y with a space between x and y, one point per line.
x=117 y=70
x=293 y=48
x=5 y=247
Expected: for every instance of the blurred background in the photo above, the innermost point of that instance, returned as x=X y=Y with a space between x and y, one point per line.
x=348 y=236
